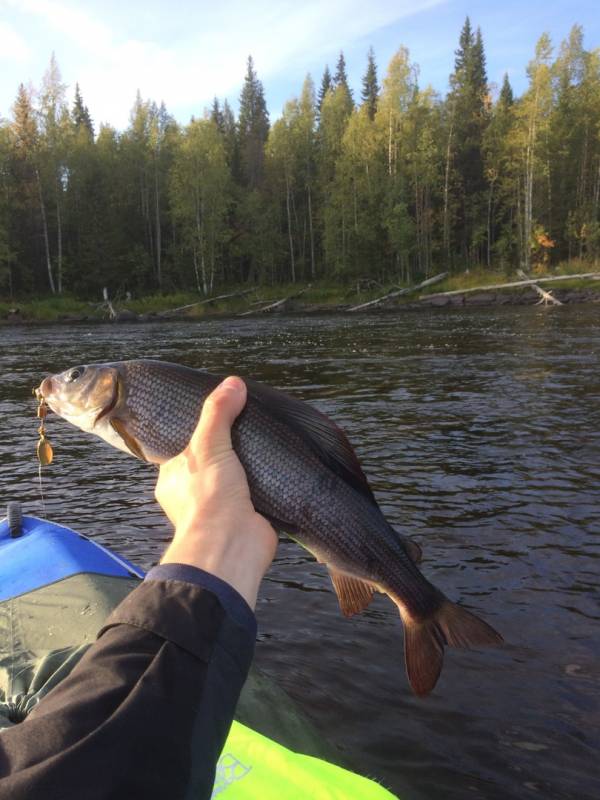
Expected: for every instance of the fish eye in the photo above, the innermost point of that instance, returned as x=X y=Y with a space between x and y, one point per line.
x=74 y=374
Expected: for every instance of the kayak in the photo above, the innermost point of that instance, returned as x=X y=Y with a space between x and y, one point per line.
x=57 y=587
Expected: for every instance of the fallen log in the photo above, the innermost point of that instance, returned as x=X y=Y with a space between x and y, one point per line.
x=276 y=304
x=511 y=284
x=106 y=304
x=206 y=300
x=400 y=292
x=545 y=297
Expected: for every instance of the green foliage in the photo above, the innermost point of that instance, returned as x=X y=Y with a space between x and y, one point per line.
x=82 y=120
x=49 y=309
x=469 y=107
x=253 y=127
x=326 y=86
x=406 y=184
x=291 y=158
x=370 y=87
x=341 y=78
x=199 y=199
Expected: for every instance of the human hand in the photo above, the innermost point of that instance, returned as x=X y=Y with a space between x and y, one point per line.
x=205 y=494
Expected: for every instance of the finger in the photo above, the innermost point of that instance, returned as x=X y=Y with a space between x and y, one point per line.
x=220 y=410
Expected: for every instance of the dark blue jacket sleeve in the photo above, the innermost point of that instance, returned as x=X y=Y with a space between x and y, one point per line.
x=147 y=710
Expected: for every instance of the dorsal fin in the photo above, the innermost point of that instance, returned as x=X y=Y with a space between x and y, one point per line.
x=323 y=436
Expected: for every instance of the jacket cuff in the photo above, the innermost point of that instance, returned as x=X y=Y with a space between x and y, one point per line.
x=231 y=600
x=176 y=611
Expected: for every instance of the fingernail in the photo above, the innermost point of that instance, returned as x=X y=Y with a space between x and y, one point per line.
x=233 y=382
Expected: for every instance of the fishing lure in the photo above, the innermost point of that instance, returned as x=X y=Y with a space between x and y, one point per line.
x=44 y=448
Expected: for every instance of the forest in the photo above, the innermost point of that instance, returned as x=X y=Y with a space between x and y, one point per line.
x=388 y=184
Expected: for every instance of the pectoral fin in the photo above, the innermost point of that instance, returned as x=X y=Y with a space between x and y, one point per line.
x=119 y=427
x=353 y=594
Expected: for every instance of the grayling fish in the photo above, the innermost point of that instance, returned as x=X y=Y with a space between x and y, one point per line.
x=304 y=477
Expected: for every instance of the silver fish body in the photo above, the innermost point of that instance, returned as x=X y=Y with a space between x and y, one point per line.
x=304 y=478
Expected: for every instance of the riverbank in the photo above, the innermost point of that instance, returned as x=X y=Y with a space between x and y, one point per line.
x=303 y=299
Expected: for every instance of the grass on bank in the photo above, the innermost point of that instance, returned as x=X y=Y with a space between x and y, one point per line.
x=319 y=294
x=471 y=279
x=46 y=309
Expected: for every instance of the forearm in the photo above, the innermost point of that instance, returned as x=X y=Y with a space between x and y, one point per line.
x=238 y=561
x=151 y=701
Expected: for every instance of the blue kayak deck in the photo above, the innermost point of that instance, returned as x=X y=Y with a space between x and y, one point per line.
x=46 y=552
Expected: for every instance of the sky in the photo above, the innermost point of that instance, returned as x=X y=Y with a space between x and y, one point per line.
x=187 y=51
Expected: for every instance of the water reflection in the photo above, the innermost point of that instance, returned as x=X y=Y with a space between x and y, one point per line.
x=480 y=433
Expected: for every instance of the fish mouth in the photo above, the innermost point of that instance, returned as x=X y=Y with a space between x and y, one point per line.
x=112 y=403
x=44 y=389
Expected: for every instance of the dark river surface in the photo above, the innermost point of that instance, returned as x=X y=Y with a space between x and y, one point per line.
x=480 y=433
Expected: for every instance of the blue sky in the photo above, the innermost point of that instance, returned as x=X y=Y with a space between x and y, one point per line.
x=186 y=51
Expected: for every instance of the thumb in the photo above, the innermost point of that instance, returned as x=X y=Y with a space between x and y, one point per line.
x=220 y=410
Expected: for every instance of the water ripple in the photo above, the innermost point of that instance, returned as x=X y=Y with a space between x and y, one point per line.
x=480 y=433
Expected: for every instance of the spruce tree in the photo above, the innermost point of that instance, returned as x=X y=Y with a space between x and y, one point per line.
x=81 y=115
x=25 y=144
x=341 y=78
x=253 y=127
x=465 y=44
x=217 y=115
x=506 y=98
x=230 y=141
x=478 y=71
x=326 y=86
x=25 y=124
x=468 y=108
x=499 y=149
x=7 y=193
x=370 y=90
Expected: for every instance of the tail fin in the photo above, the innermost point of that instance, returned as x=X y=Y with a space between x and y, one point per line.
x=424 y=641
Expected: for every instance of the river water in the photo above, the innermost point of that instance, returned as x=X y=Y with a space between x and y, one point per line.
x=480 y=433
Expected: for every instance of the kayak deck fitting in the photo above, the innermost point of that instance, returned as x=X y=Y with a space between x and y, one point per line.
x=56 y=589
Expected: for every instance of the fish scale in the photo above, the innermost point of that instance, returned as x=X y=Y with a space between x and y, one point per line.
x=303 y=476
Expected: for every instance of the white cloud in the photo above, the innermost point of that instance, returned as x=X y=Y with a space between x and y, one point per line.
x=13 y=47
x=203 y=49
x=69 y=20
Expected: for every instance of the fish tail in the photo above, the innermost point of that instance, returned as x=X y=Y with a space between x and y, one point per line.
x=424 y=641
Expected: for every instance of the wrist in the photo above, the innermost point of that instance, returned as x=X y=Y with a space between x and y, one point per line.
x=232 y=560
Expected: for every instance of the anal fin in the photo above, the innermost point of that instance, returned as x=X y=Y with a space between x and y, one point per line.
x=353 y=594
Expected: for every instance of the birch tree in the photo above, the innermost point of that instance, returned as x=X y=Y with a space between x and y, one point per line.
x=533 y=115
x=283 y=157
x=398 y=93
x=54 y=134
x=330 y=219
x=501 y=154
x=199 y=198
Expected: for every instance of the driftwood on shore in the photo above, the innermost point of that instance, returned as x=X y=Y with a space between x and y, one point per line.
x=106 y=305
x=400 y=292
x=276 y=304
x=512 y=284
x=206 y=301
x=545 y=297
